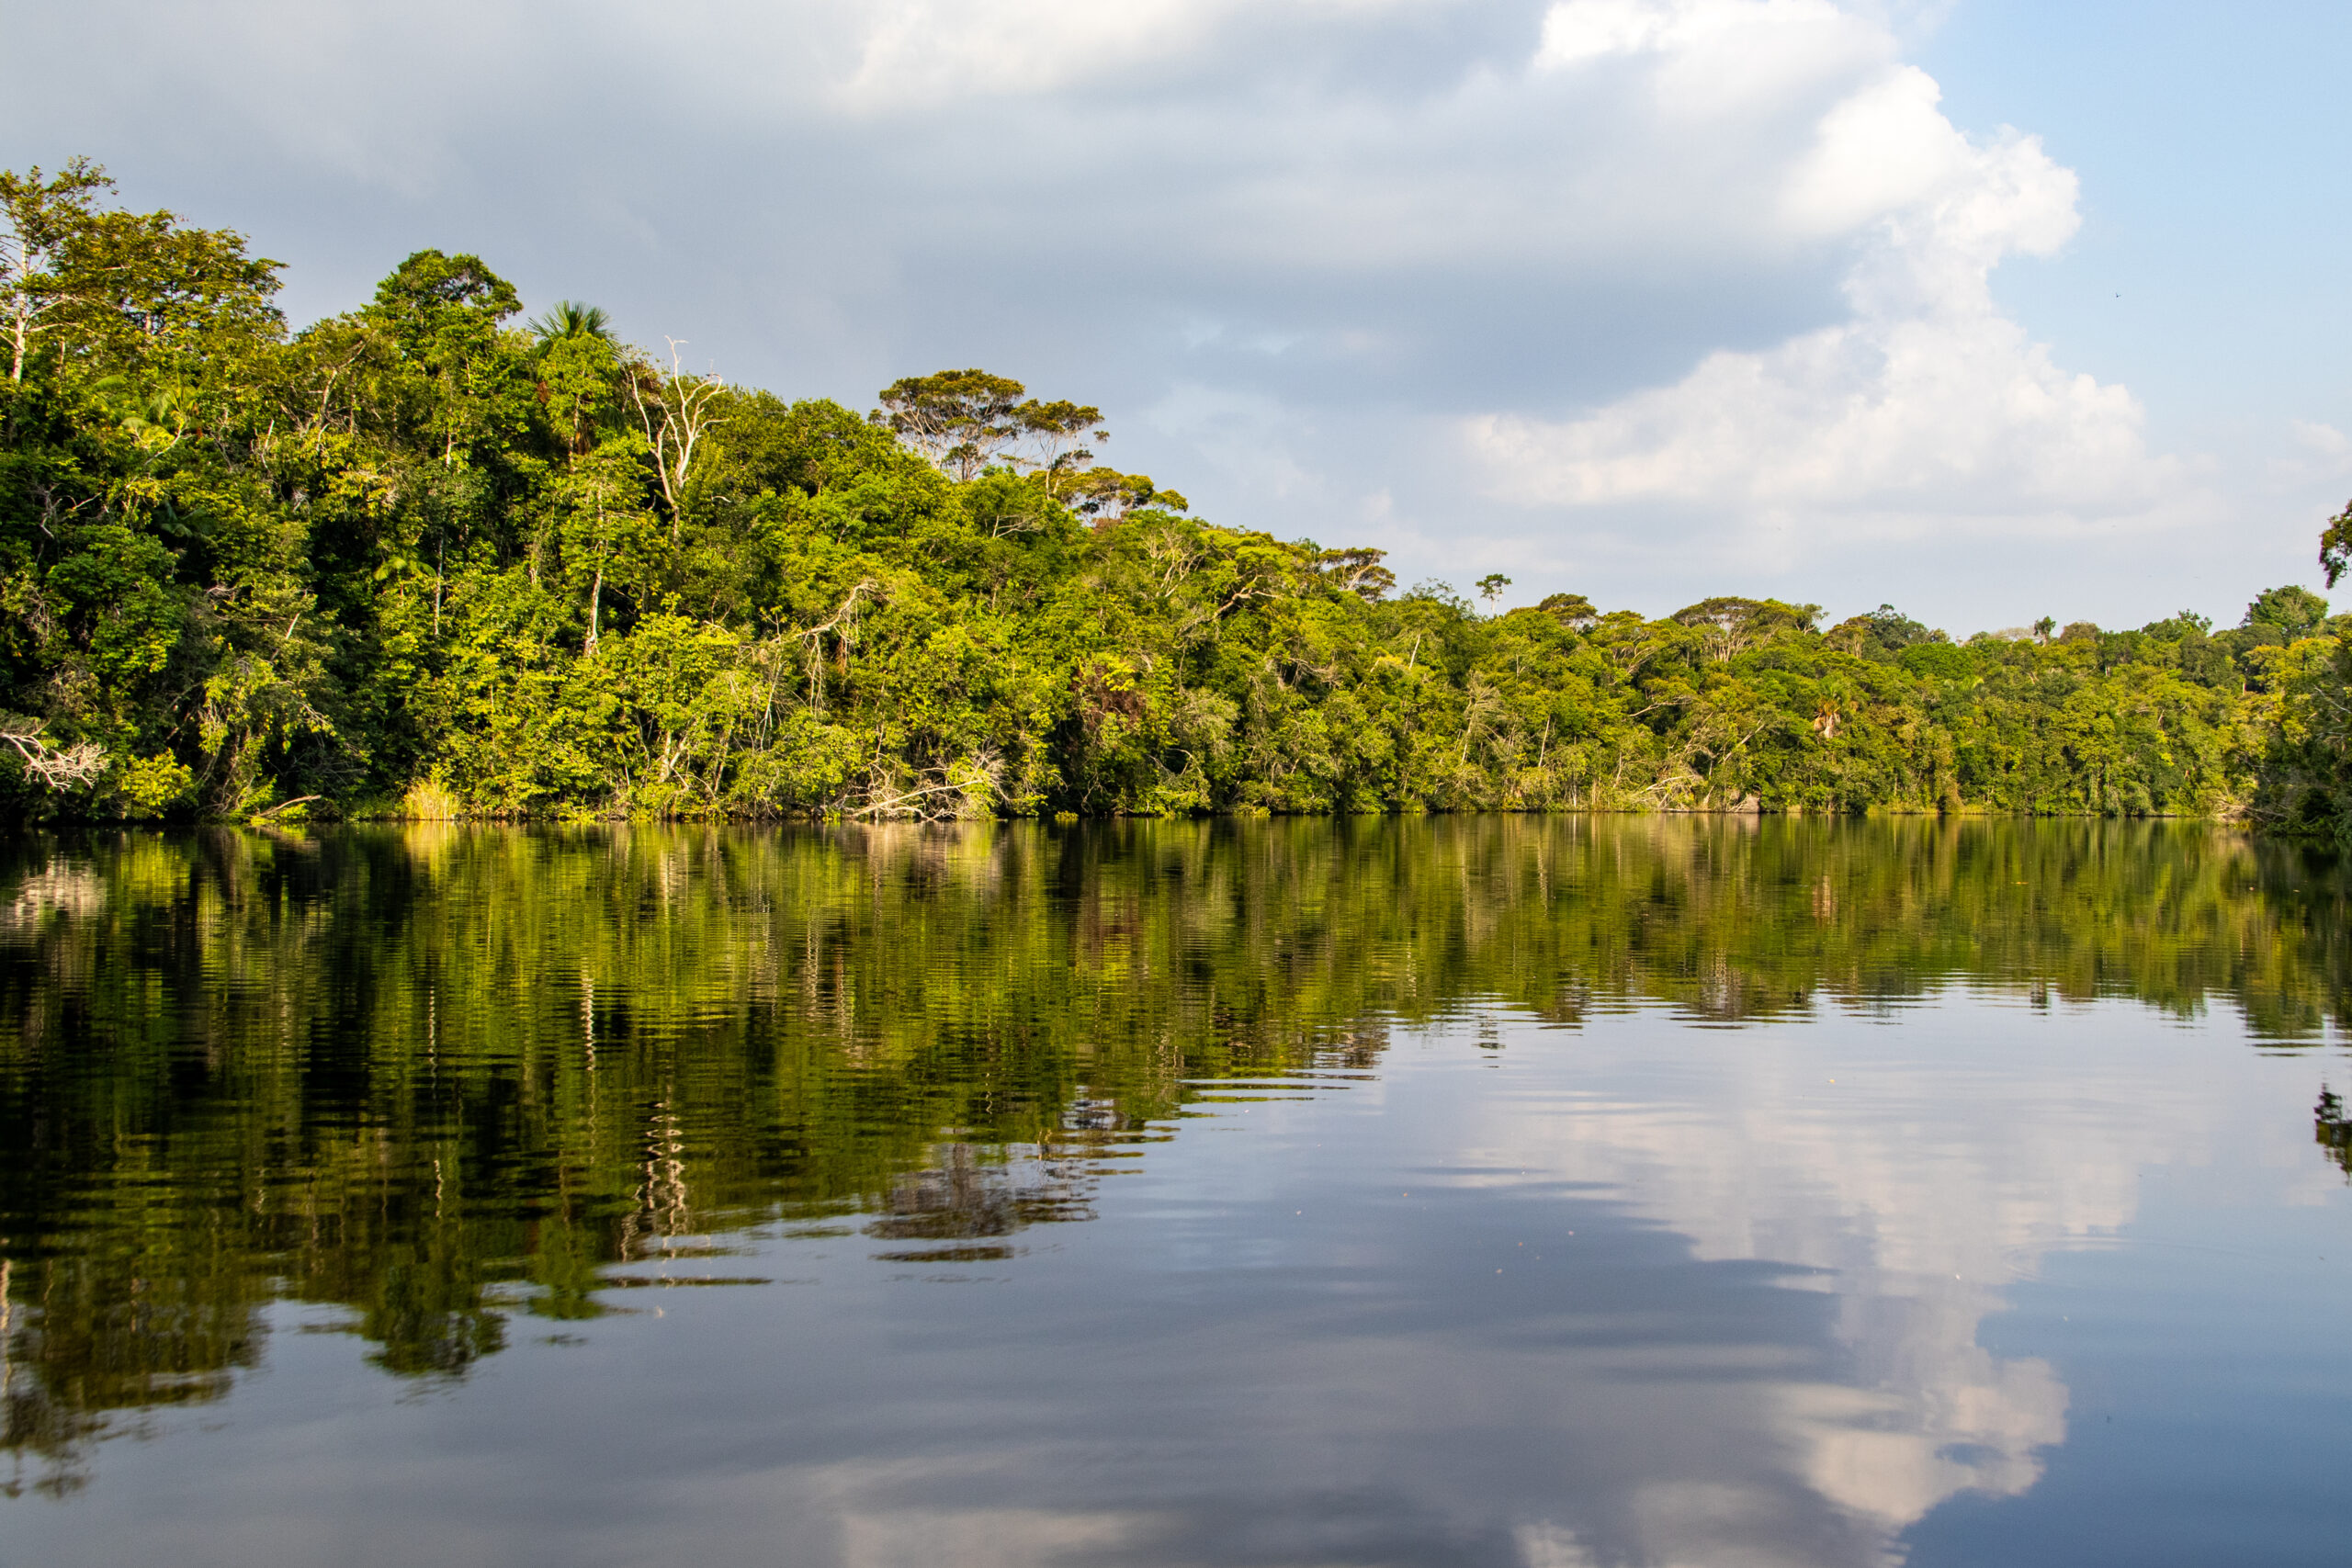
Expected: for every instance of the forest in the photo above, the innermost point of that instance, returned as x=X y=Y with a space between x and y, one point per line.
x=436 y=558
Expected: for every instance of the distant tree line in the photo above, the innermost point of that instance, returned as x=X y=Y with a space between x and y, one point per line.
x=430 y=559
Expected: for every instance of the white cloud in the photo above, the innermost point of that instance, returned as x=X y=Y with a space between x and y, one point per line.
x=2316 y=454
x=1926 y=408
x=1910 y=419
x=1886 y=152
x=919 y=52
x=1714 y=58
x=1576 y=31
x=982 y=1538
x=1548 y=1545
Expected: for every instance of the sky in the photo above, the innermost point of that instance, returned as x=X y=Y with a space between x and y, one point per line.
x=1985 y=308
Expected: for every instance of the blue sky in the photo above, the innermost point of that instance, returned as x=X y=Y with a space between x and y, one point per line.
x=2211 y=140
x=1985 y=308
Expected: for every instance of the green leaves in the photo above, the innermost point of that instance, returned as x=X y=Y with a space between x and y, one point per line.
x=86 y=292
x=113 y=589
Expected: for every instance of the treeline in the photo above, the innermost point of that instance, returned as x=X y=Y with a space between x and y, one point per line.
x=431 y=558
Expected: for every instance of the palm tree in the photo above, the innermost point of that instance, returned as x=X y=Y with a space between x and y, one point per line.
x=570 y=318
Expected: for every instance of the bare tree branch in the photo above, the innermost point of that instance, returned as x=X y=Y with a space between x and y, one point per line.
x=675 y=416
x=54 y=767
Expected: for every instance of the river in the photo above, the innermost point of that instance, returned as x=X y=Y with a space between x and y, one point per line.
x=1565 y=1193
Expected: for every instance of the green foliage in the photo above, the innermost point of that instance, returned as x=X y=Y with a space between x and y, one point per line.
x=1942 y=660
x=2295 y=610
x=2335 y=543
x=965 y=419
x=414 y=552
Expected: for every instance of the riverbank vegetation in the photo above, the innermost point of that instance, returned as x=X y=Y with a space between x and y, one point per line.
x=436 y=557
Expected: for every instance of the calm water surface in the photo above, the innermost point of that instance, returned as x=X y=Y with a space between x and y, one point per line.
x=1555 y=1192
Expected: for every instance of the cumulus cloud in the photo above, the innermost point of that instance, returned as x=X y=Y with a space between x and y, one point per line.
x=1926 y=408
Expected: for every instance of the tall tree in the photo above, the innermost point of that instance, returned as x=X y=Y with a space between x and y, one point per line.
x=959 y=419
x=38 y=218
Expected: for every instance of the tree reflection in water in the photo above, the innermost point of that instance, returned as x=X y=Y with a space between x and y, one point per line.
x=433 y=1079
x=2334 y=1130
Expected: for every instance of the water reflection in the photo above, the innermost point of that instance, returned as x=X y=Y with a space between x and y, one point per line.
x=2332 y=1130
x=454 y=1089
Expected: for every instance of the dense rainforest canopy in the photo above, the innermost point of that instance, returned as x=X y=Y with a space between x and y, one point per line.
x=430 y=557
